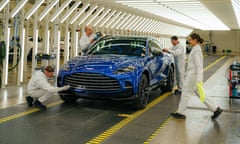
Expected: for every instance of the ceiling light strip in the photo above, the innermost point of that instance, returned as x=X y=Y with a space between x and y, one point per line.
x=18 y=7
x=70 y=11
x=87 y=15
x=57 y=13
x=48 y=9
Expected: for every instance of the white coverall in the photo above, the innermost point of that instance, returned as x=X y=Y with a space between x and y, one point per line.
x=84 y=42
x=39 y=87
x=194 y=74
x=179 y=58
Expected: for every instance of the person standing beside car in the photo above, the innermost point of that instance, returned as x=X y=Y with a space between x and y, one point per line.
x=193 y=83
x=87 y=39
x=40 y=89
x=179 y=57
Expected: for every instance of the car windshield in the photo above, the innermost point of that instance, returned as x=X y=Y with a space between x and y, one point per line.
x=130 y=47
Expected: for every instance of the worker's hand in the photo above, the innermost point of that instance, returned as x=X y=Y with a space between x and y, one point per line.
x=200 y=91
x=165 y=50
x=66 y=87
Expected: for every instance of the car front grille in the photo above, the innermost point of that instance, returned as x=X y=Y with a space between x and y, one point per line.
x=91 y=82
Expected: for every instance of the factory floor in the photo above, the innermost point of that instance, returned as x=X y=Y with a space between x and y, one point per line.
x=113 y=122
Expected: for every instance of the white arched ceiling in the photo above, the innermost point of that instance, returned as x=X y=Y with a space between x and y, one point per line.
x=189 y=12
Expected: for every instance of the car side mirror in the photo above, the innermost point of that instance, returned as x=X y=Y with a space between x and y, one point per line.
x=156 y=52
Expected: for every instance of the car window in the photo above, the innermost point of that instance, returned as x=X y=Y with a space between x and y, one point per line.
x=154 y=46
x=131 y=47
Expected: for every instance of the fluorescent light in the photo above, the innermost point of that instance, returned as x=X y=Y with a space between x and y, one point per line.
x=7 y=56
x=3 y=4
x=135 y=23
x=102 y=24
x=34 y=9
x=236 y=7
x=56 y=14
x=70 y=11
x=101 y=17
x=95 y=16
x=48 y=9
x=78 y=14
x=36 y=43
x=22 y=55
x=48 y=41
x=87 y=15
x=18 y=7
x=66 y=49
x=58 y=52
x=76 y=44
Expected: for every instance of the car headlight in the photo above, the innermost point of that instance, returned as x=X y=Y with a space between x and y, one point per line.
x=125 y=70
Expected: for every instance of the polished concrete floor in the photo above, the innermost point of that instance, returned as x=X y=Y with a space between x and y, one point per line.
x=109 y=122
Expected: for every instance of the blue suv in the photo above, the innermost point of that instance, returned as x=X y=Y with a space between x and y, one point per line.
x=118 y=68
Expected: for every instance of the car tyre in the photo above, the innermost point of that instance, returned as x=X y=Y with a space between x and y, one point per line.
x=69 y=98
x=142 y=96
x=170 y=81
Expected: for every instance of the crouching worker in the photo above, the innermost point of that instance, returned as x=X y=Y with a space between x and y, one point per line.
x=40 y=89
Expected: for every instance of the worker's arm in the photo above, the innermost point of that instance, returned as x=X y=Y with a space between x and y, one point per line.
x=198 y=59
x=84 y=43
x=179 y=50
x=44 y=84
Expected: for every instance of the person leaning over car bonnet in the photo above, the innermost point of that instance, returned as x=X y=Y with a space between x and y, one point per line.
x=179 y=58
x=194 y=80
x=40 y=89
x=87 y=38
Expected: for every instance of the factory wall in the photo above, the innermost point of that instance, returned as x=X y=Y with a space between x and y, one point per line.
x=223 y=39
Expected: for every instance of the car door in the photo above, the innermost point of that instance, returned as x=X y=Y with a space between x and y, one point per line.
x=156 y=61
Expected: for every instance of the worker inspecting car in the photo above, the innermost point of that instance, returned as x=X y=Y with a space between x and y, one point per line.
x=179 y=57
x=193 y=82
x=40 y=89
x=87 y=39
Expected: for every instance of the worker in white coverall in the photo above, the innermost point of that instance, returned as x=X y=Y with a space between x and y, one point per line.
x=193 y=83
x=40 y=89
x=86 y=40
x=179 y=57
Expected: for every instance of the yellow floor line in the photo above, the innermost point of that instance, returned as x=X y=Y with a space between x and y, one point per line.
x=21 y=114
x=170 y=118
x=106 y=134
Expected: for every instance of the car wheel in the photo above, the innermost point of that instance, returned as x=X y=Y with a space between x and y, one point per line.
x=170 y=81
x=69 y=98
x=142 y=97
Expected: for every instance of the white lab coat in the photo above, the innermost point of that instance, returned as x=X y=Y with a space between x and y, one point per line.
x=39 y=87
x=194 y=74
x=179 y=58
x=84 y=42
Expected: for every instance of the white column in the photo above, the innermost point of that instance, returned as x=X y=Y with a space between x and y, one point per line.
x=35 y=42
x=7 y=39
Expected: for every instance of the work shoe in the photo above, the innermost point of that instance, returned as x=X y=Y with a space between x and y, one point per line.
x=39 y=105
x=177 y=92
x=178 y=116
x=217 y=113
x=29 y=100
